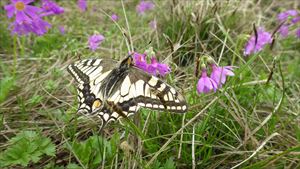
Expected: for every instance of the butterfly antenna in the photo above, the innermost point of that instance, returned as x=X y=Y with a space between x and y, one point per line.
x=255 y=33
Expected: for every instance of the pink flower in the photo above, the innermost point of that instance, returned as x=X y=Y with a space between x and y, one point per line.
x=219 y=74
x=140 y=61
x=22 y=10
x=95 y=40
x=158 y=68
x=114 y=17
x=155 y=68
x=256 y=44
x=82 y=5
x=51 y=8
x=144 y=6
x=206 y=84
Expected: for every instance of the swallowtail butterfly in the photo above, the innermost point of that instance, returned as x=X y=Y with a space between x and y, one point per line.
x=110 y=90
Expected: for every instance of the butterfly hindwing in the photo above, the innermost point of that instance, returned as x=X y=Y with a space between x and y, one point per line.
x=156 y=94
x=140 y=89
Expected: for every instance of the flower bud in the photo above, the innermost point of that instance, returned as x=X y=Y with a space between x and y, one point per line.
x=210 y=60
x=203 y=66
x=150 y=52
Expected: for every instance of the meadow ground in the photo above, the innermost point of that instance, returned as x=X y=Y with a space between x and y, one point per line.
x=252 y=121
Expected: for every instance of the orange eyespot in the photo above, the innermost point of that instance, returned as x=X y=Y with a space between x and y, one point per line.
x=20 y=6
x=96 y=104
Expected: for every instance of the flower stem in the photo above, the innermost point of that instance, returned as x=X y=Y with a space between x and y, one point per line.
x=23 y=40
x=15 y=55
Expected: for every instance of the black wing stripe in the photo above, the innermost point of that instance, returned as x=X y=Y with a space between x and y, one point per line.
x=156 y=104
x=93 y=61
x=77 y=74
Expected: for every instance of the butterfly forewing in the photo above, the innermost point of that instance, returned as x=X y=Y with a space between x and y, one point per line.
x=88 y=74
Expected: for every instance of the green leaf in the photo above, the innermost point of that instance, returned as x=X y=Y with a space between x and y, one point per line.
x=50 y=85
x=73 y=166
x=35 y=99
x=90 y=151
x=6 y=85
x=26 y=147
x=169 y=164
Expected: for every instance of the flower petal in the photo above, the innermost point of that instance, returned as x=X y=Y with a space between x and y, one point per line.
x=163 y=69
x=228 y=70
x=296 y=19
x=82 y=5
x=298 y=32
x=144 y=6
x=27 y=1
x=114 y=17
x=94 y=41
x=256 y=44
x=32 y=11
x=283 y=16
x=200 y=86
x=152 y=70
x=10 y=9
x=207 y=83
x=214 y=85
x=21 y=17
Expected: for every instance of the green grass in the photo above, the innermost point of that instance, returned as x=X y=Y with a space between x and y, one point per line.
x=249 y=123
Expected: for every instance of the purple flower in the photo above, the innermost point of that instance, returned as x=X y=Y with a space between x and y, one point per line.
x=114 y=17
x=62 y=29
x=153 y=24
x=37 y=26
x=206 y=84
x=158 y=68
x=144 y=6
x=95 y=40
x=140 y=61
x=296 y=19
x=256 y=44
x=22 y=28
x=283 y=16
x=40 y=27
x=290 y=17
x=23 y=11
x=219 y=74
x=298 y=32
x=82 y=5
x=284 y=30
x=51 y=8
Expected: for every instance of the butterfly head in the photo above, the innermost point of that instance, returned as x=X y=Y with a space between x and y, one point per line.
x=127 y=62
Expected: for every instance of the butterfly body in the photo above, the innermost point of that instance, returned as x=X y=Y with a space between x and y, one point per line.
x=111 y=92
